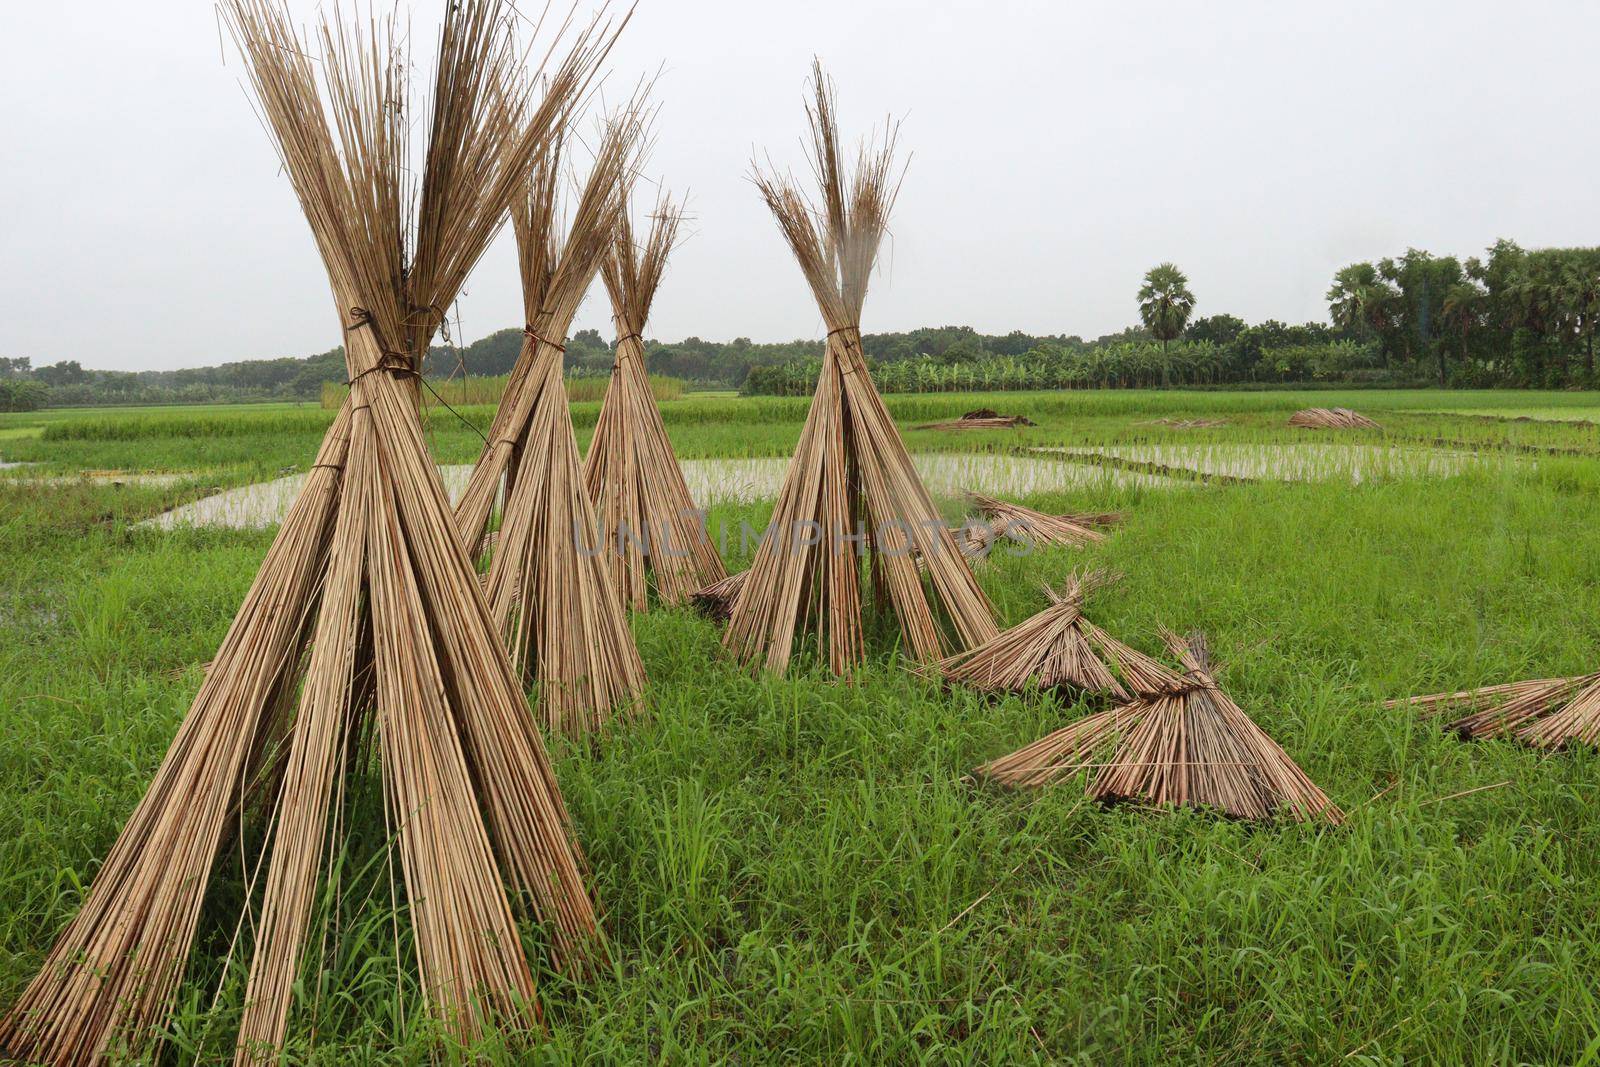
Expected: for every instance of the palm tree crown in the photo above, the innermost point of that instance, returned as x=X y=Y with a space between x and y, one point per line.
x=1165 y=302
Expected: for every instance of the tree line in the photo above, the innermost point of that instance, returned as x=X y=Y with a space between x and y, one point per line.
x=1512 y=317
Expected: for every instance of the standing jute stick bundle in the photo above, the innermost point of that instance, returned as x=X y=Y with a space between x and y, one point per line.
x=851 y=489
x=1545 y=713
x=365 y=620
x=648 y=523
x=550 y=590
x=716 y=599
x=1058 y=648
x=1191 y=745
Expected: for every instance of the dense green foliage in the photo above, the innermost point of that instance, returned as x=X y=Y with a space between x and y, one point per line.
x=796 y=871
x=1292 y=354
x=1511 y=318
x=463 y=391
x=69 y=384
x=22 y=394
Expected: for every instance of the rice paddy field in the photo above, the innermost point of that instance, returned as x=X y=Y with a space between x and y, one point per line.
x=799 y=870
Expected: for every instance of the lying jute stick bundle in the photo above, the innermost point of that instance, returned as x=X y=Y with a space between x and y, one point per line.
x=365 y=624
x=980 y=419
x=1185 y=424
x=647 y=519
x=1332 y=419
x=851 y=467
x=1059 y=648
x=549 y=586
x=1189 y=746
x=1545 y=713
x=716 y=599
x=1025 y=524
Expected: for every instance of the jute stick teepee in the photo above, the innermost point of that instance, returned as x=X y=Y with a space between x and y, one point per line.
x=550 y=591
x=1544 y=713
x=716 y=599
x=365 y=620
x=1059 y=648
x=1190 y=745
x=851 y=487
x=648 y=522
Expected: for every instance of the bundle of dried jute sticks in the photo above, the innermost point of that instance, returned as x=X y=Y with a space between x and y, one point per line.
x=851 y=489
x=365 y=636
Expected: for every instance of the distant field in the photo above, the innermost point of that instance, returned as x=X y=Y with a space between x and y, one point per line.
x=246 y=442
x=1543 y=414
x=798 y=870
x=486 y=389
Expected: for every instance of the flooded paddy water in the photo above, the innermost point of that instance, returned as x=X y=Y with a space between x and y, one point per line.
x=1042 y=470
x=711 y=481
x=1288 y=461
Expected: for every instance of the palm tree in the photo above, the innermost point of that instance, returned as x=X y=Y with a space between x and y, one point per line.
x=1359 y=301
x=1580 y=288
x=1164 y=304
x=1458 y=314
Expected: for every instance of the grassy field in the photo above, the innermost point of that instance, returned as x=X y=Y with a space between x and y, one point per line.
x=796 y=870
x=487 y=389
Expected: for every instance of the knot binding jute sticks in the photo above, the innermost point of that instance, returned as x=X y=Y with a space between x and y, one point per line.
x=648 y=523
x=1187 y=744
x=364 y=640
x=549 y=585
x=851 y=489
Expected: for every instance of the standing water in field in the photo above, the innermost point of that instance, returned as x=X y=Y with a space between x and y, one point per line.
x=711 y=481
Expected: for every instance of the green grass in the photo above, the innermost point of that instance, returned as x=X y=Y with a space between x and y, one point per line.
x=232 y=444
x=486 y=389
x=795 y=870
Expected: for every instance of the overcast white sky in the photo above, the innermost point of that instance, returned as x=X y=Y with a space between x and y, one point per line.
x=1059 y=150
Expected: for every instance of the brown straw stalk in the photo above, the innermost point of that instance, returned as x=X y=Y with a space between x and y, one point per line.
x=1058 y=648
x=549 y=585
x=715 y=600
x=1332 y=419
x=980 y=419
x=648 y=523
x=850 y=465
x=365 y=615
x=1548 y=713
x=1192 y=746
x=1025 y=524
